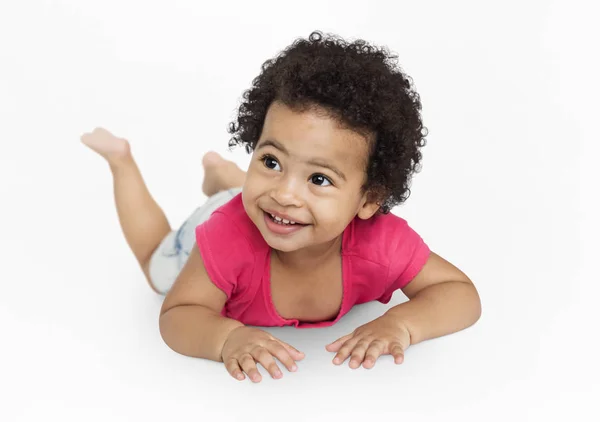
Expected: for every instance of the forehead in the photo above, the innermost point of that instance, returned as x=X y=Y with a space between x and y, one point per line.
x=311 y=133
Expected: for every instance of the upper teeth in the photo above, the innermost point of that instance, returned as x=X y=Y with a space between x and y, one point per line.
x=282 y=220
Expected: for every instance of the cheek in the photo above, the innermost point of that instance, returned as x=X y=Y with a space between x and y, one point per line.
x=332 y=213
x=252 y=183
x=338 y=211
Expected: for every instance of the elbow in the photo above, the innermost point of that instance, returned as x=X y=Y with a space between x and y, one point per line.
x=470 y=303
x=165 y=327
x=173 y=332
x=475 y=304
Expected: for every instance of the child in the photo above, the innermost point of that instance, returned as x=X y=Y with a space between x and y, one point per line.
x=335 y=132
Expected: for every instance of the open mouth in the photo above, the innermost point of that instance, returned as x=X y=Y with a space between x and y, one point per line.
x=282 y=221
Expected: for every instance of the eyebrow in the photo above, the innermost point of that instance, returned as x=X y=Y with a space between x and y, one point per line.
x=313 y=161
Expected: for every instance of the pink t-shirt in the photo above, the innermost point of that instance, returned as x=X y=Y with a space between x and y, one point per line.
x=379 y=255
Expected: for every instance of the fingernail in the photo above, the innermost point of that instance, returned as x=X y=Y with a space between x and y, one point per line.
x=294 y=367
x=278 y=374
x=336 y=360
x=240 y=376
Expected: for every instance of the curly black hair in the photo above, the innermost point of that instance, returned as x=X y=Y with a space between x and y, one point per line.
x=359 y=86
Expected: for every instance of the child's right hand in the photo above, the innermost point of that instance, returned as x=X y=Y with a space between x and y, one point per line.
x=246 y=346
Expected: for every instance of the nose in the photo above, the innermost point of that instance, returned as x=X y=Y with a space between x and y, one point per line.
x=287 y=193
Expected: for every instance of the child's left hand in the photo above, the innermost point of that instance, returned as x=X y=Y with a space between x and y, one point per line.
x=382 y=336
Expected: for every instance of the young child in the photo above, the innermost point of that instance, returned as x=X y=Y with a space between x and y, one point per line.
x=305 y=234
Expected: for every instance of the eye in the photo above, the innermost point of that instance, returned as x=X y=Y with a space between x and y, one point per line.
x=270 y=163
x=320 y=180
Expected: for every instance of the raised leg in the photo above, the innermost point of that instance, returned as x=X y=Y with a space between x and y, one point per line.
x=220 y=174
x=143 y=222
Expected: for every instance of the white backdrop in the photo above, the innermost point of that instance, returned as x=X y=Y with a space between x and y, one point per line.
x=508 y=193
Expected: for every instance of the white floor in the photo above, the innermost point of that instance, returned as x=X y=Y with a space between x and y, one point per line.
x=508 y=192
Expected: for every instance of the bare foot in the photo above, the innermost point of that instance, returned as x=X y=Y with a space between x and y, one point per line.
x=220 y=174
x=106 y=144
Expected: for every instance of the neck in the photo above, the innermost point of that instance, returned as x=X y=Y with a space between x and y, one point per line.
x=309 y=258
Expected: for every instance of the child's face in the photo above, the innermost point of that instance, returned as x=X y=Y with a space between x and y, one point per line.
x=306 y=168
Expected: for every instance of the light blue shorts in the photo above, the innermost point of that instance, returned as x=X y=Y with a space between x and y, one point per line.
x=172 y=253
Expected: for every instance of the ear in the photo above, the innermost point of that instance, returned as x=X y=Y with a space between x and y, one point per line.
x=368 y=207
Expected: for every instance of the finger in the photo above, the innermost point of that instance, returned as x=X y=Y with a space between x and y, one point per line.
x=344 y=351
x=296 y=354
x=233 y=367
x=282 y=354
x=358 y=354
x=333 y=347
x=262 y=356
x=372 y=354
x=397 y=351
x=249 y=366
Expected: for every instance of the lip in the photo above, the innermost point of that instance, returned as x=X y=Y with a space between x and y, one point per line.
x=284 y=217
x=279 y=228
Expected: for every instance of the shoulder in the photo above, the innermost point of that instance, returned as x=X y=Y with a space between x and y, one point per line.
x=373 y=238
x=228 y=245
x=389 y=241
x=230 y=225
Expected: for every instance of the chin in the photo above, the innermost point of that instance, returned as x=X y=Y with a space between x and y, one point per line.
x=280 y=245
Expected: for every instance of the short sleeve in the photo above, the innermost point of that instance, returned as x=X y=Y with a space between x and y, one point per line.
x=408 y=253
x=226 y=253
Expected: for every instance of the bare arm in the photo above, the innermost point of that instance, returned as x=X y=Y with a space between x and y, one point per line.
x=190 y=318
x=443 y=300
